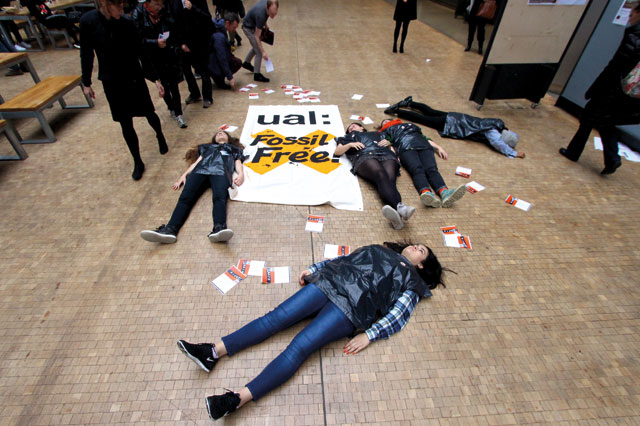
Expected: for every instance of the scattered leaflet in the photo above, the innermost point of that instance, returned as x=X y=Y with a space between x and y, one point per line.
x=356 y=97
x=254 y=96
x=243 y=89
x=268 y=91
x=228 y=128
x=463 y=171
x=314 y=223
x=383 y=105
x=365 y=120
x=228 y=279
x=474 y=187
x=516 y=202
x=452 y=238
x=251 y=267
x=275 y=275
x=331 y=251
x=251 y=85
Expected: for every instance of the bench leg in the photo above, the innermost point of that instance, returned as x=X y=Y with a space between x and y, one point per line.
x=14 y=139
x=48 y=131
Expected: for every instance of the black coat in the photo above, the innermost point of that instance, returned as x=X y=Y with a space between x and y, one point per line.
x=371 y=148
x=608 y=104
x=462 y=126
x=367 y=283
x=405 y=11
x=193 y=26
x=165 y=61
x=405 y=137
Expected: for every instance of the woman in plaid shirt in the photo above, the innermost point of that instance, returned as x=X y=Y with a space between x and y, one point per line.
x=370 y=293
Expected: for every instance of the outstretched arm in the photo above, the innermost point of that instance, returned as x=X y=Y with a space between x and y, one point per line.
x=181 y=181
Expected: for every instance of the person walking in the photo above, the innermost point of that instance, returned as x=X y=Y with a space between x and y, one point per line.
x=405 y=12
x=117 y=44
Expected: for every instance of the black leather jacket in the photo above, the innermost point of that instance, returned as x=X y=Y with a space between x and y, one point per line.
x=405 y=137
x=371 y=148
x=462 y=126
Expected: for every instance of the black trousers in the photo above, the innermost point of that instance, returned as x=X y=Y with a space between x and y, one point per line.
x=423 y=169
x=194 y=187
x=427 y=116
x=198 y=59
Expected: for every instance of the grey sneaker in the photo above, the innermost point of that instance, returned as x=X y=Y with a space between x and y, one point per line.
x=430 y=200
x=220 y=234
x=405 y=211
x=393 y=216
x=163 y=234
x=450 y=196
x=181 y=122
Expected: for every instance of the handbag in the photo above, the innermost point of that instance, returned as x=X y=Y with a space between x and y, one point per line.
x=487 y=9
x=631 y=83
x=266 y=36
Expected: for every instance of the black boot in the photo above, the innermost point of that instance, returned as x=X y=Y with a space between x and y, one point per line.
x=468 y=48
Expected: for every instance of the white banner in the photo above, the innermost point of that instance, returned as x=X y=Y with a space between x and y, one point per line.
x=290 y=158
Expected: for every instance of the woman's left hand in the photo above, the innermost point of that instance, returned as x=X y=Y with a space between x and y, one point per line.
x=356 y=344
x=238 y=180
x=443 y=154
x=384 y=143
x=160 y=88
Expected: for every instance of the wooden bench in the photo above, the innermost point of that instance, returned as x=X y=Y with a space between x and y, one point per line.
x=33 y=101
x=14 y=139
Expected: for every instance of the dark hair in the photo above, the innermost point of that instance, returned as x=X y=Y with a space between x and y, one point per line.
x=431 y=272
x=271 y=2
x=192 y=153
x=350 y=124
x=383 y=120
x=231 y=17
x=115 y=2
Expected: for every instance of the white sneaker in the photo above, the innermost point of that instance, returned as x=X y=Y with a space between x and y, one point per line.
x=19 y=48
x=405 y=211
x=393 y=216
x=25 y=45
x=181 y=122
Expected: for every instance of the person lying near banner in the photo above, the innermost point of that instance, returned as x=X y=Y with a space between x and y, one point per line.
x=416 y=155
x=378 y=165
x=213 y=165
x=343 y=302
x=457 y=125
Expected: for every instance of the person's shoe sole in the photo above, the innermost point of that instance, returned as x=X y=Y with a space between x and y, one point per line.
x=430 y=201
x=221 y=236
x=410 y=212
x=156 y=237
x=192 y=358
x=455 y=196
x=206 y=400
x=393 y=216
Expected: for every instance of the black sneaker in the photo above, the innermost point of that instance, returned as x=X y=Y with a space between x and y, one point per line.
x=222 y=405
x=163 y=234
x=259 y=77
x=220 y=233
x=406 y=102
x=200 y=353
x=191 y=99
x=247 y=66
x=138 y=170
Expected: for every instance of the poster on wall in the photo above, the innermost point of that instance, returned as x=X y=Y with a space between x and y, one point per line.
x=289 y=158
x=622 y=17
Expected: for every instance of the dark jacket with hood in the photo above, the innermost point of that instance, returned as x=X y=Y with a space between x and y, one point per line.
x=608 y=104
x=462 y=126
x=220 y=51
x=366 y=284
x=405 y=137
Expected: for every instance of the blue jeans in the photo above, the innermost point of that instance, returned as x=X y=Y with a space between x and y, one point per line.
x=329 y=324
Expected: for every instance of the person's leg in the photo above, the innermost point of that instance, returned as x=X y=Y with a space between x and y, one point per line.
x=405 y=30
x=154 y=122
x=578 y=142
x=251 y=36
x=195 y=185
x=428 y=161
x=131 y=138
x=427 y=110
x=396 y=33
x=219 y=188
x=328 y=326
x=192 y=84
x=374 y=172
x=304 y=303
x=168 y=96
x=436 y=123
x=610 y=149
x=481 y=25
x=201 y=67
x=471 y=33
x=411 y=162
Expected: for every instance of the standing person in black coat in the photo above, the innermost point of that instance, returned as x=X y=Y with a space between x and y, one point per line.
x=608 y=105
x=161 y=45
x=193 y=23
x=117 y=44
x=406 y=11
x=475 y=22
x=371 y=292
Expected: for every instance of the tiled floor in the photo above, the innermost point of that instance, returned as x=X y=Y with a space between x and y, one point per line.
x=540 y=325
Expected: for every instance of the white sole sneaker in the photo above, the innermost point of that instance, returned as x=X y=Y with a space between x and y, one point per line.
x=430 y=200
x=393 y=216
x=156 y=237
x=221 y=236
